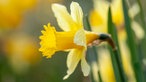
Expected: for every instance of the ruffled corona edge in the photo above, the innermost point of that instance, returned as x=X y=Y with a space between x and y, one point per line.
x=48 y=41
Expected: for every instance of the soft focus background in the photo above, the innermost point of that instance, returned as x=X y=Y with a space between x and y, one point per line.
x=21 y=22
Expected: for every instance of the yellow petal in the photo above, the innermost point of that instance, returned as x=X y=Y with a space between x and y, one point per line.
x=126 y=60
x=122 y=35
x=72 y=60
x=98 y=17
x=80 y=38
x=77 y=14
x=64 y=20
x=105 y=66
x=96 y=21
x=85 y=67
x=101 y=6
x=83 y=38
x=117 y=12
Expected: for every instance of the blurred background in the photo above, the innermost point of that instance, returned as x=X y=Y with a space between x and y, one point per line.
x=21 y=22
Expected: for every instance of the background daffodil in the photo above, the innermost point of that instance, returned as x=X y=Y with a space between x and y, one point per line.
x=22 y=52
x=74 y=38
x=11 y=11
x=101 y=10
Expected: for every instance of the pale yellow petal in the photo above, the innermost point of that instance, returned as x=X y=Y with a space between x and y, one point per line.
x=134 y=10
x=122 y=36
x=126 y=60
x=64 y=19
x=97 y=22
x=80 y=38
x=101 y=6
x=105 y=66
x=139 y=32
x=95 y=70
x=73 y=59
x=85 y=67
x=94 y=15
x=77 y=14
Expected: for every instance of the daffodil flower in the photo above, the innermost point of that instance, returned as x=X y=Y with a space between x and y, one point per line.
x=74 y=38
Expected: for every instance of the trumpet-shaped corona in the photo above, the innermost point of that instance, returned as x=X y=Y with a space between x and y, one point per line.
x=74 y=38
x=53 y=41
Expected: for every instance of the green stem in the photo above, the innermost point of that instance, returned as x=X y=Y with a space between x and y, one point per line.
x=115 y=67
x=120 y=66
x=113 y=32
x=115 y=58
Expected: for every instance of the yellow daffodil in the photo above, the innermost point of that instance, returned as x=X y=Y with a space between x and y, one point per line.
x=11 y=11
x=74 y=38
x=98 y=20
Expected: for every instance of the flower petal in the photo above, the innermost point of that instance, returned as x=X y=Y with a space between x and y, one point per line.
x=72 y=60
x=105 y=66
x=80 y=38
x=77 y=14
x=101 y=6
x=85 y=67
x=126 y=60
x=97 y=25
x=64 y=20
x=117 y=12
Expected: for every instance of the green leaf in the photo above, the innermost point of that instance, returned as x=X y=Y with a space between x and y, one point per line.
x=142 y=47
x=115 y=55
x=132 y=46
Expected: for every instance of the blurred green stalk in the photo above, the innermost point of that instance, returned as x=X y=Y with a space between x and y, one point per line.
x=131 y=43
x=115 y=55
